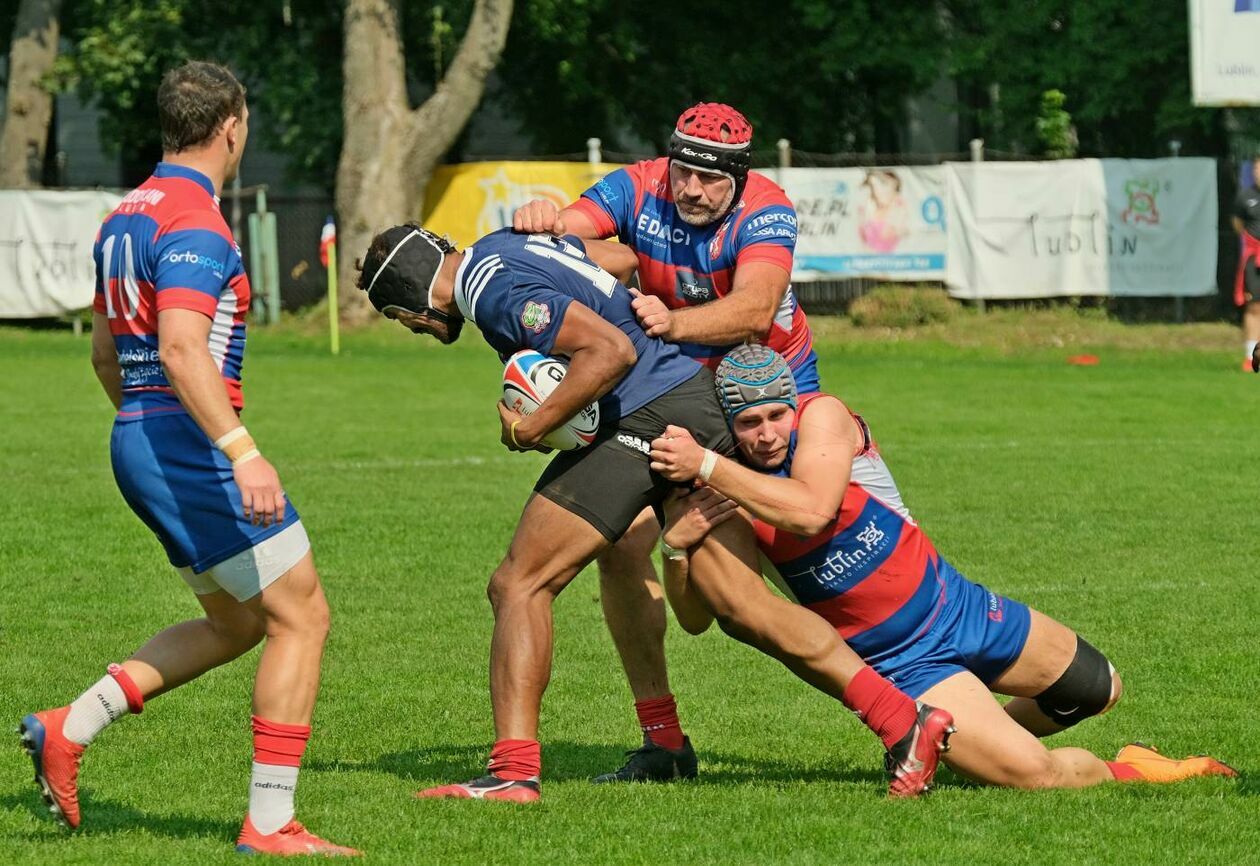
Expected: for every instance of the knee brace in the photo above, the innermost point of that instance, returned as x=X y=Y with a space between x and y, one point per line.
x=1082 y=691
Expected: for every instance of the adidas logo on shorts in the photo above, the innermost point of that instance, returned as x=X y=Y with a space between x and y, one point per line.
x=634 y=442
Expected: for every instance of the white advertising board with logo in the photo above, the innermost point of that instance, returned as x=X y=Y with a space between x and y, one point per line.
x=886 y=223
x=1143 y=228
x=46 y=239
x=1224 y=57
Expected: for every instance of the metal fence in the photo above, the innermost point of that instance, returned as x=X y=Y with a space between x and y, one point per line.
x=299 y=219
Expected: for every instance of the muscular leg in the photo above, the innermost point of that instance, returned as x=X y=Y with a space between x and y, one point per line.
x=550 y=547
x=185 y=651
x=991 y=747
x=297 y=621
x=1050 y=648
x=634 y=607
x=293 y=616
x=724 y=571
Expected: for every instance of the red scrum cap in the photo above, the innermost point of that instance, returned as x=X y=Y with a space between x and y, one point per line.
x=715 y=138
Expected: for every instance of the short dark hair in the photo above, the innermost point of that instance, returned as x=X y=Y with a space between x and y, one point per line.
x=194 y=100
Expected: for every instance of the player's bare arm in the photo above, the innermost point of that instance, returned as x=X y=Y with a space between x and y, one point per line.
x=1237 y=223
x=618 y=259
x=804 y=503
x=599 y=356
x=183 y=337
x=105 y=359
x=745 y=314
x=542 y=215
x=688 y=519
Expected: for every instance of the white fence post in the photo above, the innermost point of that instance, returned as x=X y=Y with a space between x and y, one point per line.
x=593 y=153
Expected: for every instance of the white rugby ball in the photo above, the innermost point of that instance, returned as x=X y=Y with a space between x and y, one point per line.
x=528 y=380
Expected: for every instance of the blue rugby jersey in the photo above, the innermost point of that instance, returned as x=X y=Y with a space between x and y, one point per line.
x=517 y=288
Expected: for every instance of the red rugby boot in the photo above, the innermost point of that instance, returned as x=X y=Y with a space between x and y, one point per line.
x=56 y=762
x=488 y=788
x=911 y=762
x=291 y=839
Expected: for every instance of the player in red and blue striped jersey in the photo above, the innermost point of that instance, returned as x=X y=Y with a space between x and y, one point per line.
x=841 y=542
x=714 y=243
x=168 y=339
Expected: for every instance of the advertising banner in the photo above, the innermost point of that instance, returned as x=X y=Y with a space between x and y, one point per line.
x=1224 y=57
x=472 y=199
x=1144 y=228
x=887 y=223
x=46 y=239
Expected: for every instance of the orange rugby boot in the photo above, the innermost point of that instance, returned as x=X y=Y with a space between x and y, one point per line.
x=56 y=761
x=291 y=839
x=1151 y=766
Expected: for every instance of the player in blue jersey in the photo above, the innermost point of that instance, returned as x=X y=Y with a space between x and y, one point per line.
x=544 y=293
x=168 y=337
x=712 y=242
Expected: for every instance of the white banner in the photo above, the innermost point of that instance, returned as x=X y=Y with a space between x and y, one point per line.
x=867 y=222
x=1145 y=228
x=1225 y=52
x=46 y=239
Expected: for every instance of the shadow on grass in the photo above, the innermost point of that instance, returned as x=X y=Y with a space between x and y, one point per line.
x=568 y=761
x=102 y=817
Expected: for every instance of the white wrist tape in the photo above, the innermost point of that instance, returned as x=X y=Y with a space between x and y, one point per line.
x=708 y=464
x=230 y=436
x=248 y=455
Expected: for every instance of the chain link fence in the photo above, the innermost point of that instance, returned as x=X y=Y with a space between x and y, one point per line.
x=299 y=220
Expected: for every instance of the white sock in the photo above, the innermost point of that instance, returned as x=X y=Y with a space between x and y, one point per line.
x=1251 y=347
x=93 y=710
x=271 y=790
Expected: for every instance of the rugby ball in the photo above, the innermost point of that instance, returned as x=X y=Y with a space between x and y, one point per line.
x=528 y=380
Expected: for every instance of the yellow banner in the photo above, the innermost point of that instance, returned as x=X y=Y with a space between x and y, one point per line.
x=473 y=199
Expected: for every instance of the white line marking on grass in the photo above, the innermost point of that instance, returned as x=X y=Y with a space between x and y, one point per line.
x=419 y=463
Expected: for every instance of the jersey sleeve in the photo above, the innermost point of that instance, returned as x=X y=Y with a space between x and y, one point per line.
x=98 y=298
x=768 y=234
x=193 y=263
x=609 y=204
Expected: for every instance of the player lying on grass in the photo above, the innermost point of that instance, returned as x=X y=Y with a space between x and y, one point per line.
x=839 y=540
x=168 y=338
x=542 y=292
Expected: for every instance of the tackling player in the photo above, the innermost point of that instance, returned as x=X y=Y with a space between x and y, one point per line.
x=714 y=245
x=831 y=522
x=544 y=293
x=168 y=337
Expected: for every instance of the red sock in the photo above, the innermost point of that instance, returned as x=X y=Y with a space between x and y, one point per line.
x=1123 y=772
x=135 y=699
x=658 y=718
x=278 y=744
x=881 y=706
x=516 y=760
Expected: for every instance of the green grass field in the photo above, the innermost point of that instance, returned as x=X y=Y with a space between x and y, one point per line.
x=1119 y=498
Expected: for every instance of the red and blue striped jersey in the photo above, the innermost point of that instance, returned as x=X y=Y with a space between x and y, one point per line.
x=166 y=246
x=685 y=265
x=872 y=573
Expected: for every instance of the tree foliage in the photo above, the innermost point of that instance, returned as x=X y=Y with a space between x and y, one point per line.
x=836 y=80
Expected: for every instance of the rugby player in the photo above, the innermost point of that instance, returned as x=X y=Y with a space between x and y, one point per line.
x=839 y=539
x=1246 y=222
x=714 y=244
x=543 y=292
x=168 y=336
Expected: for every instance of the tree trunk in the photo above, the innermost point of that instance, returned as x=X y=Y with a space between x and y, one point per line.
x=29 y=104
x=390 y=149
